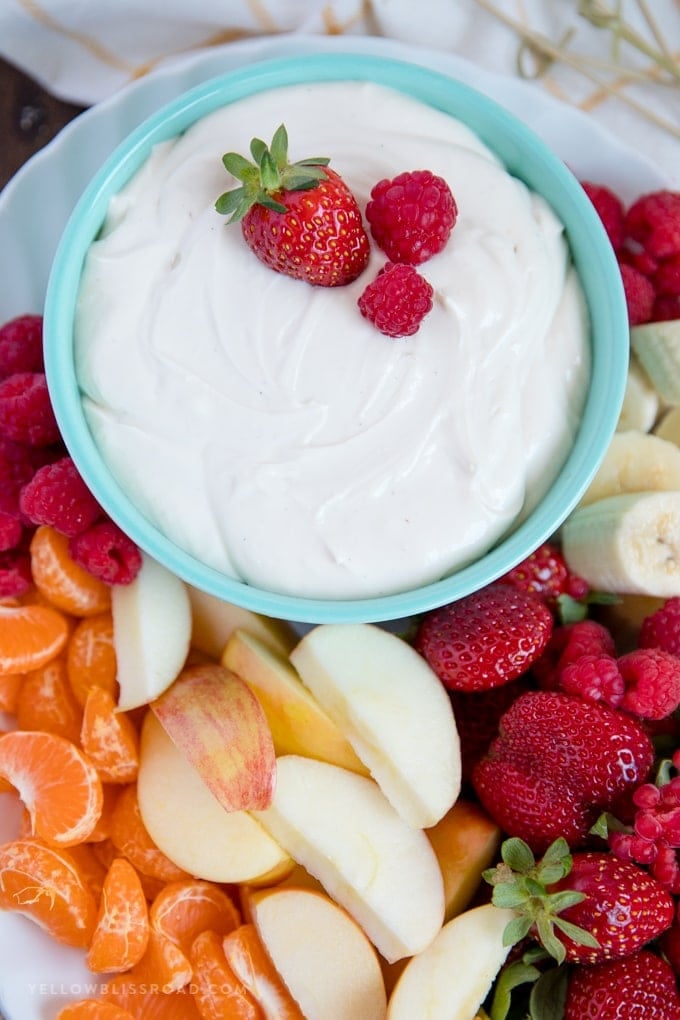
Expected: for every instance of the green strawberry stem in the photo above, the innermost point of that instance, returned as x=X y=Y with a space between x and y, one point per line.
x=267 y=176
x=521 y=883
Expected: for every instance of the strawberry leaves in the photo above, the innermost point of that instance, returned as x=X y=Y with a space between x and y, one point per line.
x=268 y=174
x=520 y=883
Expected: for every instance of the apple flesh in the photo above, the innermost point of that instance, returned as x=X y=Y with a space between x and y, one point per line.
x=466 y=842
x=218 y=724
x=189 y=824
x=452 y=977
x=394 y=711
x=298 y=723
x=214 y=621
x=343 y=830
x=325 y=959
x=151 y=633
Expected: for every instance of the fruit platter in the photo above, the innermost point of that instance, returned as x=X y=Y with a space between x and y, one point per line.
x=467 y=813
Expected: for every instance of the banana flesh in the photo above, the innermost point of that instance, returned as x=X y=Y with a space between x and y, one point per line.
x=657 y=347
x=635 y=461
x=640 y=407
x=627 y=543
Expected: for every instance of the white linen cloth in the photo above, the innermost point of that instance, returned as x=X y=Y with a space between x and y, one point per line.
x=84 y=50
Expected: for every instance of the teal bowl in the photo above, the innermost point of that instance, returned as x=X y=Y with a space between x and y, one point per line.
x=523 y=154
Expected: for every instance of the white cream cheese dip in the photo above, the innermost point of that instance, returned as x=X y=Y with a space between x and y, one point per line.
x=267 y=428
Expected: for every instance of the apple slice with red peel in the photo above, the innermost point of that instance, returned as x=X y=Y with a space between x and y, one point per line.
x=192 y=828
x=218 y=724
x=298 y=723
x=324 y=957
x=151 y=632
x=451 y=978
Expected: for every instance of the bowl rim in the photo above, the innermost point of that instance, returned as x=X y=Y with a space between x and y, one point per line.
x=513 y=141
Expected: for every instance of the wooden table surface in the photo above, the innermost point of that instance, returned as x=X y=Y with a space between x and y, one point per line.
x=29 y=118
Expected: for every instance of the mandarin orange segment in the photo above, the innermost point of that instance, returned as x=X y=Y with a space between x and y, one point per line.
x=131 y=839
x=252 y=965
x=94 y=1009
x=121 y=934
x=217 y=990
x=109 y=739
x=163 y=965
x=91 y=657
x=182 y=910
x=29 y=637
x=102 y=829
x=61 y=580
x=91 y=869
x=150 y=1003
x=46 y=885
x=56 y=782
x=10 y=685
x=46 y=702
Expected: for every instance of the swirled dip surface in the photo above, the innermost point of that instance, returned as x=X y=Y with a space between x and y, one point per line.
x=264 y=425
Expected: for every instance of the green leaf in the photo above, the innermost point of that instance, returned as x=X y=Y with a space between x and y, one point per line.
x=239 y=167
x=228 y=203
x=279 y=147
x=509 y=896
x=257 y=149
x=549 y=994
x=302 y=178
x=533 y=887
x=269 y=174
x=559 y=901
x=313 y=161
x=516 y=930
x=571 y=610
x=548 y=939
x=576 y=934
x=270 y=203
x=511 y=977
x=548 y=874
x=517 y=855
x=558 y=851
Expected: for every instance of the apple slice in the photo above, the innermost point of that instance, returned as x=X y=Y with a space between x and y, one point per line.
x=214 y=621
x=392 y=708
x=298 y=723
x=151 y=632
x=191 y=827
x=324 y=957
x=343 y=830
x=452 y=977
x=466 y=841
x=218 y=724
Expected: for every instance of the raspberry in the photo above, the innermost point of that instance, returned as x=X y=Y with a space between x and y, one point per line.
x=107 y=553
x=655 y=834
x=11 y=530
x=666 y=279
x=411 y=216
x=639 y=259
x=568 y=643
x=666 y=308
x=397 y=301
x=57 y=495
x=654 y=222
x=661 y=629
x=26 y=414
x=21 y=345
x=639 y=293
x=610 y=209
x=652 y=680
x=593 y=678
x=15 y=573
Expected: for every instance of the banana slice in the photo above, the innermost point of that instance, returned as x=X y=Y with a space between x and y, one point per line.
x=669 y=426
x=635 y=462
x=640 y=401
x=657 y=346
x=627 y=544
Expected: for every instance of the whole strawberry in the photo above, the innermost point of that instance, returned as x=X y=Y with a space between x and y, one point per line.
x=557 y=764
x=545 y=573
x=300 y=219
x=584 y=908
x=411 y=216
x=485 y=639
x=642 y=985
